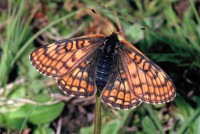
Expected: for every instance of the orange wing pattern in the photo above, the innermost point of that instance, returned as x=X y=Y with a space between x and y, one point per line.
x=148 y=82
x=60 y=58
x=80 y=83
x=117 y=92
x=135 y=78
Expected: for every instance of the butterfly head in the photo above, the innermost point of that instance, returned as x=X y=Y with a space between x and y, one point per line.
x=111 y=43
x=113 y=38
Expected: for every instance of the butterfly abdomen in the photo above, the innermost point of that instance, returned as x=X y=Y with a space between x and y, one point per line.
x=106 y=61
x=104 y=67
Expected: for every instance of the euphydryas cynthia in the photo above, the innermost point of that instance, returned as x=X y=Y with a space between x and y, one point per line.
x=86 y=64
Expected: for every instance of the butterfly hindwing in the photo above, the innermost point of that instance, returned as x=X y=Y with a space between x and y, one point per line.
x=80 y=82
x=58 y=59
x=149 y=83
x=117 y=92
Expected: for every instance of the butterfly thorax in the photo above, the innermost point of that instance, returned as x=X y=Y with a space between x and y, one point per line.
x=106 y=61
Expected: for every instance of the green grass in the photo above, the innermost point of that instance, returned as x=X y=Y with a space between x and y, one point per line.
x=171 y=41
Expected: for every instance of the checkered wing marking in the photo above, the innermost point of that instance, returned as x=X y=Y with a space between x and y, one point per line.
x=148 y=82
x=80 y=83
x=117 y=92
x=58 y=59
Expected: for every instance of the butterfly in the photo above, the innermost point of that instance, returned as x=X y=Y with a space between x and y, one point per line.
x=122 y=74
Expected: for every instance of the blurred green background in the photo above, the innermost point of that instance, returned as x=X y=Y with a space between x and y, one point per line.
x=32 y=103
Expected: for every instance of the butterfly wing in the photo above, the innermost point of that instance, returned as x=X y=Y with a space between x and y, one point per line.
x=117 y=92
x=148 y=82
x=60 y=58
x=80 y=82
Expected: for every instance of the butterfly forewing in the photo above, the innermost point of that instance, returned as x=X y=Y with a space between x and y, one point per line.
x=58 y=59
x=117 y=92
x=148 y=82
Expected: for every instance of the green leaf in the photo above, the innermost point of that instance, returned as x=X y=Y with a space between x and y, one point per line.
x=14 y=119
x=197 y=125
x=185 y=109
x=14 y=123
x=148 y=125
x=189 y=123
x=43 y=130
x=170 y=16
x=26 y=68
x=154 y=118
x=42 y=98
x=87 y=130
x=36 y=114
x=45 y=114
x=17 y=92
x=36 y=86
x=111 y=127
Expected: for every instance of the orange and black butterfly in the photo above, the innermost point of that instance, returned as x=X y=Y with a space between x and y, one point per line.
x=123 y=74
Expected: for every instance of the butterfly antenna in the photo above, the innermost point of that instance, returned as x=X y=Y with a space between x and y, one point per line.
x=94 y=11
x=119 y=25
x=123 y=30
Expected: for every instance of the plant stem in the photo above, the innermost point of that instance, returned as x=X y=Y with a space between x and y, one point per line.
x=97 y=122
